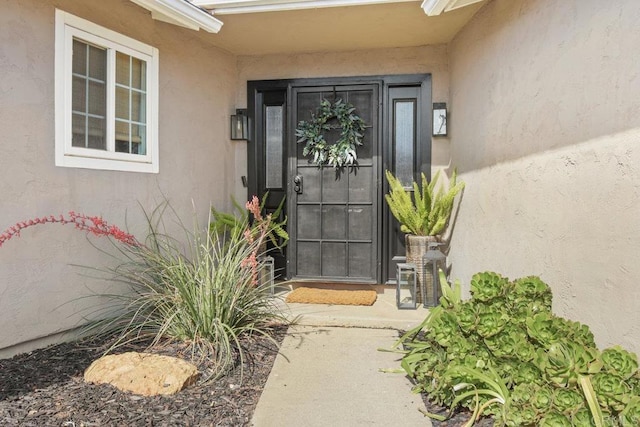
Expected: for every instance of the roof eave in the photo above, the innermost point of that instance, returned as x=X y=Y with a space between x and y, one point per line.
x=437 y=7
x=228 y=7
x=182 y=13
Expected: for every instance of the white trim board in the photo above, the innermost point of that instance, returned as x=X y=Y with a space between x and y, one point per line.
x=181 y=13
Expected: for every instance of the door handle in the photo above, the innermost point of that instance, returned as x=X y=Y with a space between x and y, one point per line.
x=297 y=184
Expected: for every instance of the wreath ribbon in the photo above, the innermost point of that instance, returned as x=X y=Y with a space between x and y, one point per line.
x=311 y=133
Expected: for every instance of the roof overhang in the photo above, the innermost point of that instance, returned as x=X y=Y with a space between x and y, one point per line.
x=182 y=13
x=436 y=7
x=229 y=7
x=262 y=27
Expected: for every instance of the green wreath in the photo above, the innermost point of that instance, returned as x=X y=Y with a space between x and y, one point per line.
x=343 y=152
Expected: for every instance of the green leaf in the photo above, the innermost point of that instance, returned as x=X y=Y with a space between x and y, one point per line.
x=420 y=211
x=592 y=401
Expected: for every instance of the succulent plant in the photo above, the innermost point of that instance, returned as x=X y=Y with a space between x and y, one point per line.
x=555 y=419
x=568 y=401
x=504 y=352
x=488 y=286
x=617 y=360
x=612 y=391
x=630 y=415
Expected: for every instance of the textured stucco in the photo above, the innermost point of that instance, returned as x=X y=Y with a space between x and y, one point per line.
x=197 y=93
x=412 y=60
x=545 y=126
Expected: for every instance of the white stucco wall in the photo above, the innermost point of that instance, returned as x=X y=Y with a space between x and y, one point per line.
x=411 y=60
x=197 y=94
x=545 y=130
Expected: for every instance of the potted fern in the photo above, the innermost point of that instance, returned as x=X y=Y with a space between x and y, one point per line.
x=423 y=215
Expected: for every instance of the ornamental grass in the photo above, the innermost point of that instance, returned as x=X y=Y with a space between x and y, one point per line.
x=201 y=289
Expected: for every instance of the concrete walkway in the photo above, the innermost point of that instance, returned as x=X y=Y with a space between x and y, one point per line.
x=327 y=375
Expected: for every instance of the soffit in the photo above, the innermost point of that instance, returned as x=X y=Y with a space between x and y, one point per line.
x=375 y=26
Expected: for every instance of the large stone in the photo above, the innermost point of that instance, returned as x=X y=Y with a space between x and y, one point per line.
x=142 y=373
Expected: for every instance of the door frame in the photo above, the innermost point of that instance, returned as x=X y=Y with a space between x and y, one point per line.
x=384 y=161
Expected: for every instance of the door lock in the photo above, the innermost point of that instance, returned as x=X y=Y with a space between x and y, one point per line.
x=297 y=184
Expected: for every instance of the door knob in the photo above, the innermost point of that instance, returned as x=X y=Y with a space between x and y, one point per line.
x=297 y=184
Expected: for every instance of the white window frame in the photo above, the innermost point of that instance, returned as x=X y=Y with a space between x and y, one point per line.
x=67 y=28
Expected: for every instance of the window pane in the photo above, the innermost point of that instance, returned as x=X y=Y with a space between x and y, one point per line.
x=273 y=146
x=404 y=138
x=122 y=103
x=97 y=63
x=79 y=127
x=122 y=68
x=122 y=136
x=97 y=129
x=138 y=139
x=138 y=74
x=79 y=94
x=79 y=57
x=138 y=107
x=97 y=98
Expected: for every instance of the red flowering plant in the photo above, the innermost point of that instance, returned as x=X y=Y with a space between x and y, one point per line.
x=255 y=236
x=201 y=289
x=255 y=227
x=94 y=225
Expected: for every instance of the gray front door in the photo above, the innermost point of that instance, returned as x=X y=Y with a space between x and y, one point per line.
x=334 y=214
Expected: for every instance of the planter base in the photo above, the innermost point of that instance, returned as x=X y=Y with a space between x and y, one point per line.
x=417 y=246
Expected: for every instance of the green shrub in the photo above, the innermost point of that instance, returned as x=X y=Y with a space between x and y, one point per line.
x=203 y=292
x=504 y=353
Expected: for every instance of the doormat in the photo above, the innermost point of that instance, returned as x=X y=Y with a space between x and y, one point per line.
x=331 y=296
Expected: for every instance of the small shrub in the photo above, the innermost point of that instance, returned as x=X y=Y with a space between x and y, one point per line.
x=505 y=354
x=204 y=292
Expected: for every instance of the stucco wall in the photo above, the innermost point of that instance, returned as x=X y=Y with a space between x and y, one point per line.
x=412 y=60
x=197 y=94
x=545 y=127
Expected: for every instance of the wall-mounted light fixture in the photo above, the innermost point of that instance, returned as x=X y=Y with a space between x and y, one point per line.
x=439 y=119
x=240 y=125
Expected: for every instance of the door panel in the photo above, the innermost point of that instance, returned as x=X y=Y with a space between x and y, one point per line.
x=408 y=150
x=268 y=173
x=336 y=212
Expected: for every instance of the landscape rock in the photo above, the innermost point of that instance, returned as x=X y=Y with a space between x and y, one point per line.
x=142 y=373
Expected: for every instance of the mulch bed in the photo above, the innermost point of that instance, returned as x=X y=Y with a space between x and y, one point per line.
x=45 y=388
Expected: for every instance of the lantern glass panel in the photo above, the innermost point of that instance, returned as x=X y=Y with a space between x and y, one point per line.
x=240 y=126
x=406 y=280
x=267 y=273
x=434 y=260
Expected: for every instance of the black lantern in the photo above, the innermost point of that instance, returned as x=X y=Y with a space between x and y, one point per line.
x=406 y=282
x=240 y=126
x=433 y=261
x=439 y=119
